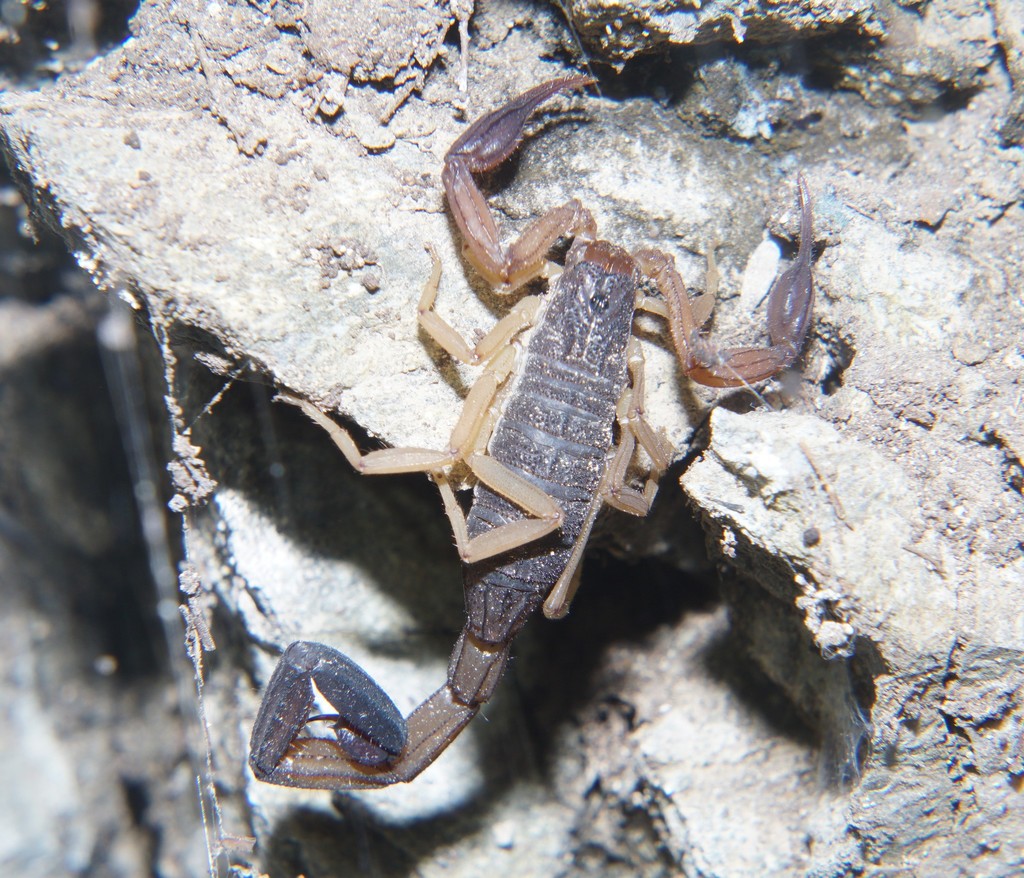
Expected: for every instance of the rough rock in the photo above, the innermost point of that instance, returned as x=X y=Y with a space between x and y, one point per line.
x=620 y=30
x=259 y=182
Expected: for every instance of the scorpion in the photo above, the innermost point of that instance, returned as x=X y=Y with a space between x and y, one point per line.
x=548 y=434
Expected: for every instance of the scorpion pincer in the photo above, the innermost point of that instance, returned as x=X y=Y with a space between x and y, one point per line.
x=549 y=437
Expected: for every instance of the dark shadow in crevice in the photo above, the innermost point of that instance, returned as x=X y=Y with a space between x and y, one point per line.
x=47 y=38
x=72 y=510
x=830 y=697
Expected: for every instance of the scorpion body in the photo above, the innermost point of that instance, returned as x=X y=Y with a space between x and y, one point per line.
x=556 y=430
x=548 y=434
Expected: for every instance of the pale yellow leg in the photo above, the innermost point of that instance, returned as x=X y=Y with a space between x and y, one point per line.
x=464 y=438
x=631 y=412
x=616 y=493
x=560 y=599
x=469 y=434
x=385 y=461
x=652 y=306
x=547 y=515
x=633 y=428
x=701 y=306
x=518 y=319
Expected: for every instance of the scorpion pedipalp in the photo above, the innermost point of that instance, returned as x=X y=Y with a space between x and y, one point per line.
x=790 y=301
x=483 y=146
x=493 y=137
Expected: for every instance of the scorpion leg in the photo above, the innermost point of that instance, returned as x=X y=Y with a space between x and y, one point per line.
x=789 y=307
x=547 y=515
x=482 y=147
x=519 y=318
x=386 y=461
x=635 y=429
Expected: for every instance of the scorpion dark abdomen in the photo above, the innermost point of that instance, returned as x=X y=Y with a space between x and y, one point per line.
x=556 y=429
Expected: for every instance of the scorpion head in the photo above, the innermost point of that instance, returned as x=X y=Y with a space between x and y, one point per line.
x=600 y=281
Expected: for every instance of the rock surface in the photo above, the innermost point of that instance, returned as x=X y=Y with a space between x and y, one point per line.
x=259 y=183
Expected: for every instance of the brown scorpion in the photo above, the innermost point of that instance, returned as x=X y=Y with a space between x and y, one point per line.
x=549 y=436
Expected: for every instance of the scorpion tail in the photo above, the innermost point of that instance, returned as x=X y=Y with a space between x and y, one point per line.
x=373 y=745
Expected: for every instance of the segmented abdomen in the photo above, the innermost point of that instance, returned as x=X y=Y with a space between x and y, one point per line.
x=556 y=430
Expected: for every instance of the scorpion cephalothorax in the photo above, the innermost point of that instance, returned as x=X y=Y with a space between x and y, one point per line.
x=556 y=449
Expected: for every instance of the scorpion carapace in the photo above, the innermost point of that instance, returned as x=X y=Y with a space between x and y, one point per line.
x=549 y=436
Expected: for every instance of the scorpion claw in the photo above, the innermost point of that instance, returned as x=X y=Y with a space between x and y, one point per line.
x=792 y=294
x=368 y=726
x=790 y=301
x=483 y=146
x=492 y=138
